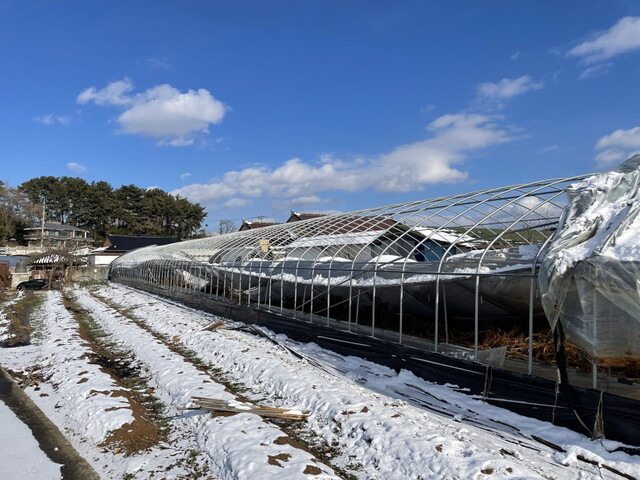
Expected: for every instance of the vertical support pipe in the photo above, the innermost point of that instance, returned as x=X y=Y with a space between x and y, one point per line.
x=437 y=310
x=476 y=320
x=313 y=274
x=350 y=299
x=401 y=308
x=260 y=284
x=446 y=314
x=437 y=320
x=249 y=282
x=530 y=346
x=373 y=308
x=328 y=296
x=239 y=289
x=282 y=286
x=295 y=293
x=594 y=367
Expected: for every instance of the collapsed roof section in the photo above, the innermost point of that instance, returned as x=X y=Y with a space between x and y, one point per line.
x=435 y=230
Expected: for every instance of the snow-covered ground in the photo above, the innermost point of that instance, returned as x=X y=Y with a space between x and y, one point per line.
x=370 y=422
x=21 y=456
x=371 y=414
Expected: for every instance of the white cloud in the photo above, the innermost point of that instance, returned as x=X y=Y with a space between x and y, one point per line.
x=307 y=200
x=184 y=175
x=177 y=142
x=595 y=70
x=618 y=146
x=51 y=119
x=406 y=168
x=76 y=167
x=508 y=88
x=159 y=63
x=161 y=112
x=550 y=148
x=515 y=56
x=236 y=203
x=622 y=37
x=427 y=108
x=116 y=93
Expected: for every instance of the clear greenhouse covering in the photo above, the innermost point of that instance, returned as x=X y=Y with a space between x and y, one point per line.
x=416 y=271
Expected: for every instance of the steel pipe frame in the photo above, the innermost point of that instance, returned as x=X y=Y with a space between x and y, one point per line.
x=244 y=248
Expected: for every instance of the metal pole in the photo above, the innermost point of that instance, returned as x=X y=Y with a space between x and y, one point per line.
x=401 y=307
x=476 y=322
x=42 y=227
x=530 y=349
x=295 y=293
x=437 y=321
x=373 y=308
x=446 y=314
x=328 y=296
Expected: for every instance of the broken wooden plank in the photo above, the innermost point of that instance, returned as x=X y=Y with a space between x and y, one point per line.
x=213 y=326
x=213 y=404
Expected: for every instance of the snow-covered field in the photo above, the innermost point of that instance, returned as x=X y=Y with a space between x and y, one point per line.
x=21 y=456
x=366 y=421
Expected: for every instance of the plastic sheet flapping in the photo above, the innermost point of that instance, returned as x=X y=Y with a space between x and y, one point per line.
x=590 y=275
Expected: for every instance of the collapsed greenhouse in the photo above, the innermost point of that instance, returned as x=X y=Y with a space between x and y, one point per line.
x=420 y=285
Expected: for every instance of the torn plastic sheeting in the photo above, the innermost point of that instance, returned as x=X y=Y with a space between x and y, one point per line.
x=601 y=307
x=589 y=277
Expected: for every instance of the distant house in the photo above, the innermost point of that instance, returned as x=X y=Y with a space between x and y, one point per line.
x=247 y=225
x=116 y=245
x=54 y=265
x=297 y=216
x=58 y=235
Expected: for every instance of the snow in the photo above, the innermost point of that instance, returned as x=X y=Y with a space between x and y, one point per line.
x=450 y=237
x=59 y=353
x=237 y=445
x=21 y=456
x=379 y=424
x=355 y=238
x=603 y=218
x=372 y=414
x=90 y=405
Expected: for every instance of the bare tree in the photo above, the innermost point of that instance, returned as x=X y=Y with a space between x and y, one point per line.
x=16 y=211
x=227 y=226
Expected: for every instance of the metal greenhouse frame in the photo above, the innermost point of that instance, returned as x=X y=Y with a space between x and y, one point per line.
x=350 y=270
x=413 y=285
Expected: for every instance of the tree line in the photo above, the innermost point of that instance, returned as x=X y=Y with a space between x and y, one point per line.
x=98 y=207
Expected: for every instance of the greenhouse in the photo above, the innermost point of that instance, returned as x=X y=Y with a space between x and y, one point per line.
x=412 y=273
x=543 y=261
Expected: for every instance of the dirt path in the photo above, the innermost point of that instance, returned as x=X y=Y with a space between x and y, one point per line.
x=49 y=438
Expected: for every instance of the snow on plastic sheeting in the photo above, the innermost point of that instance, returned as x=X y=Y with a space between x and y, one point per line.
x=589 y=278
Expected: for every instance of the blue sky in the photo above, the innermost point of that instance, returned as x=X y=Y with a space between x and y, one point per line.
x=256 y=108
